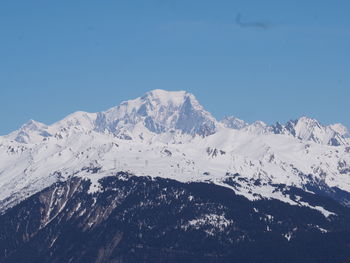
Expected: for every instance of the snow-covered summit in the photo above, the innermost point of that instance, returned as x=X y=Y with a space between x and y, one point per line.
x=173 y=114
x=304 y=128
x=341 y=129
x=30 y=132
x=156 y=112
x=234 y=123
x=169 y=134
x=159 y=111
x=308 y=129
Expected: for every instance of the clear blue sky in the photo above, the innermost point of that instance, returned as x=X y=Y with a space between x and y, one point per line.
x=277 y=60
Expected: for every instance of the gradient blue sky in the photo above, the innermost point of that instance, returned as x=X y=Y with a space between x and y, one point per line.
x=57 y=57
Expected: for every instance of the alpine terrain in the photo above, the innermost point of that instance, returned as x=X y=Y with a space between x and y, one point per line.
x=159 y=179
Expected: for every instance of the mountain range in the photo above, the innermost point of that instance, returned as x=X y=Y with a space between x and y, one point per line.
x=92 y=168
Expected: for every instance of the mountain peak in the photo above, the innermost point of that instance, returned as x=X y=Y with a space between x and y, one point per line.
x=308 y=121
x=310 y=129
x=172 y=99
x=234 y=123
x=159 y=111
x=258 y=127
x=341 y=129
x=173 y=113
x=167 y=97
x=33 y=125
x=30 y=132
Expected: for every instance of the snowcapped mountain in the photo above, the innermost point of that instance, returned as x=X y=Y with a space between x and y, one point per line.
x=308 y=129
x=304 y=128
x=340 y=129
x=234 y=123
x=30 y=132
x=159 y=111
x=170 y=135
x=114 y=186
